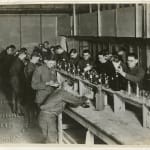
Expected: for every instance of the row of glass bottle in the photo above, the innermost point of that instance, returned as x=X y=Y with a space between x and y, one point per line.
x=95 y=78
x=91 y=75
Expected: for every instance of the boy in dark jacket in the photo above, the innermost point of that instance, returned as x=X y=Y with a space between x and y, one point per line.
x=6 y=59
x=17 y=81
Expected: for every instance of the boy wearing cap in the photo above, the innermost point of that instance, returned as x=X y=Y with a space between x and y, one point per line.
x=52 y=107
x=43 y=80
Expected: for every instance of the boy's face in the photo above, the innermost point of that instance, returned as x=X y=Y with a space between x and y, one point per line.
x=35 y=59
x=86 y=56
x=46 y=45
x=10 y=51
x=102 y=58
x=22 y=56
x=132 y=62
x=59 y=51
x=50 y=63
x=73 y=55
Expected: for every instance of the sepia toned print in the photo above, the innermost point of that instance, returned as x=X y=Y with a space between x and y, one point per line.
x=74 y=73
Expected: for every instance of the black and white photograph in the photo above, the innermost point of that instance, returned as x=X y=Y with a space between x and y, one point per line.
x=75 y=73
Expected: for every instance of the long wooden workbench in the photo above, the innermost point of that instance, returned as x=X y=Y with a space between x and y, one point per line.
x=121 y=128
x=117 y=126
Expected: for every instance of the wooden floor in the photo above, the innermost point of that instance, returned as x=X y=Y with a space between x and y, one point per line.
x=122 y=128
x=12 y=127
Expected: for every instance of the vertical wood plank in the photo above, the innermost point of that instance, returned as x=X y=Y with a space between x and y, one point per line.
x=90 y=8
x=60 y=129
x=119 y=104
x=138 y=20
x=116 y=20
x=139 y=56
x=147 y=20
x=89 y=138
x=145 y=116
x=20 y=31
x=74 y=20
x=100 y=98
x=56 y=31
x=99 y=19
x=82 y=89
x=60 y=78
x=145 y=23
x=129 y=88
x=75 y=86
x=148 y=119
x=41 y=38
x=71 y=24
x=105 y=100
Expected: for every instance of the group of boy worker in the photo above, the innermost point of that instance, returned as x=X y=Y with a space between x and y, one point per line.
x=35 y=91
x=34 y=85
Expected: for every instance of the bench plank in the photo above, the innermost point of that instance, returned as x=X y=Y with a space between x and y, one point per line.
x=120 y=128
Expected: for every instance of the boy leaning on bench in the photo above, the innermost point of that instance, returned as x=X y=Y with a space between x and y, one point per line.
x=50 y=110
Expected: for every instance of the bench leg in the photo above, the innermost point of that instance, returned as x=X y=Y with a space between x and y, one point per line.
x=146 y=117
x=60 y=129
x=75 y=86
x=89 y=138
x=105 y=100
x=119 y=104
x=100 y=99
x=60 y=78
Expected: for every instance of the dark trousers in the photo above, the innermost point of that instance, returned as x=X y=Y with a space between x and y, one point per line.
x=16 y=103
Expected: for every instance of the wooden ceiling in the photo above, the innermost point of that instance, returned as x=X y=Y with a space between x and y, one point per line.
x=56 y=8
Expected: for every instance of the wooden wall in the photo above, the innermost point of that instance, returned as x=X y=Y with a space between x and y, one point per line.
x=87 y=25
x=64 y=25
x=49 y=28
x=30 y=30
x=27 y=30
x=126 y=22
x=107 y=18
x=9 y=30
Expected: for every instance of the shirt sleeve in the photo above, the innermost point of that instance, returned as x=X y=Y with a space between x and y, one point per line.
x=36 y=83
x=136 y=78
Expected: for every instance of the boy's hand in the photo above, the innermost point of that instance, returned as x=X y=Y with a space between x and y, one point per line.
x=87 y=68
x=52 y=83
x=55 y=84
x=120 y=70
x=49 y=83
